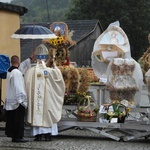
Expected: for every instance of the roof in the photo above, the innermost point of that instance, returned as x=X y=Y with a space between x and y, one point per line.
x=13 y=8
x=81 y=28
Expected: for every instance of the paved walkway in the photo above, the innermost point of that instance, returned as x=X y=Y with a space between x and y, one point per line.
x=74 y=140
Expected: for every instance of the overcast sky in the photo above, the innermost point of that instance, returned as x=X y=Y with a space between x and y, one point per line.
x=6 y=1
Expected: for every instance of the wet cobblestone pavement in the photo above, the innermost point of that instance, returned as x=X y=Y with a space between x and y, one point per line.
x=74 y=139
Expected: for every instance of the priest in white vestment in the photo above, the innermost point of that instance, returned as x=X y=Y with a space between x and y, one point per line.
x=45 y=90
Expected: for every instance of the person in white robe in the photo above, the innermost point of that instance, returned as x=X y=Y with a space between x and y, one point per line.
x=16 y=99
x=45 y=90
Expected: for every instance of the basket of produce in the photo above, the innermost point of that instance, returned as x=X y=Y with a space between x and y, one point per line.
x=87 y=110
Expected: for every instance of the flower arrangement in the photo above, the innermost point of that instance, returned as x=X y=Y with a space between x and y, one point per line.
x=56 y=41
x=58 y=50
x=119 y=110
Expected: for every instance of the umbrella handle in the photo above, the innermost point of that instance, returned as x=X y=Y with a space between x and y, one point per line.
x=54 y=65
x=54 y=54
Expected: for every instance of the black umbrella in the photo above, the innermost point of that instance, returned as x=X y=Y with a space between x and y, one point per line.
x=33 y=32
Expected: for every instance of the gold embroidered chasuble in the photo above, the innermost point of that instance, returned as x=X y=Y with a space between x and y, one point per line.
x=45 y=90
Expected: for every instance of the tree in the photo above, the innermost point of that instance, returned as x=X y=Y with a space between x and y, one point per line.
x=43 y=10
x=133 y=16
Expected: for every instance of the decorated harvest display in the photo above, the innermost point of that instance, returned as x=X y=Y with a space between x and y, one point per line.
x=77 y=80
x=145 y=60
x=112 y=63
x=145 y=65
x=121 y=83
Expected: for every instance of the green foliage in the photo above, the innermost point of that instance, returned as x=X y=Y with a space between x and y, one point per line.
x=133 y=16
x=43 y=10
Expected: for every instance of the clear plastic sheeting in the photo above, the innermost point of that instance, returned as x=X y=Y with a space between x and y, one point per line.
x=124 y=76
x=114 y=42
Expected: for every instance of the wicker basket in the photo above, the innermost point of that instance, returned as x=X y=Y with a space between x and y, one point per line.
x=86 y=119
x=120 y=119
x=87 y=110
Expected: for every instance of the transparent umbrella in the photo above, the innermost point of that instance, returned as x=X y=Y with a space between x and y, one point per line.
x=33 y=32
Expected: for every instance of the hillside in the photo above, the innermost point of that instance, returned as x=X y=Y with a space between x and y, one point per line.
x=43 y=10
